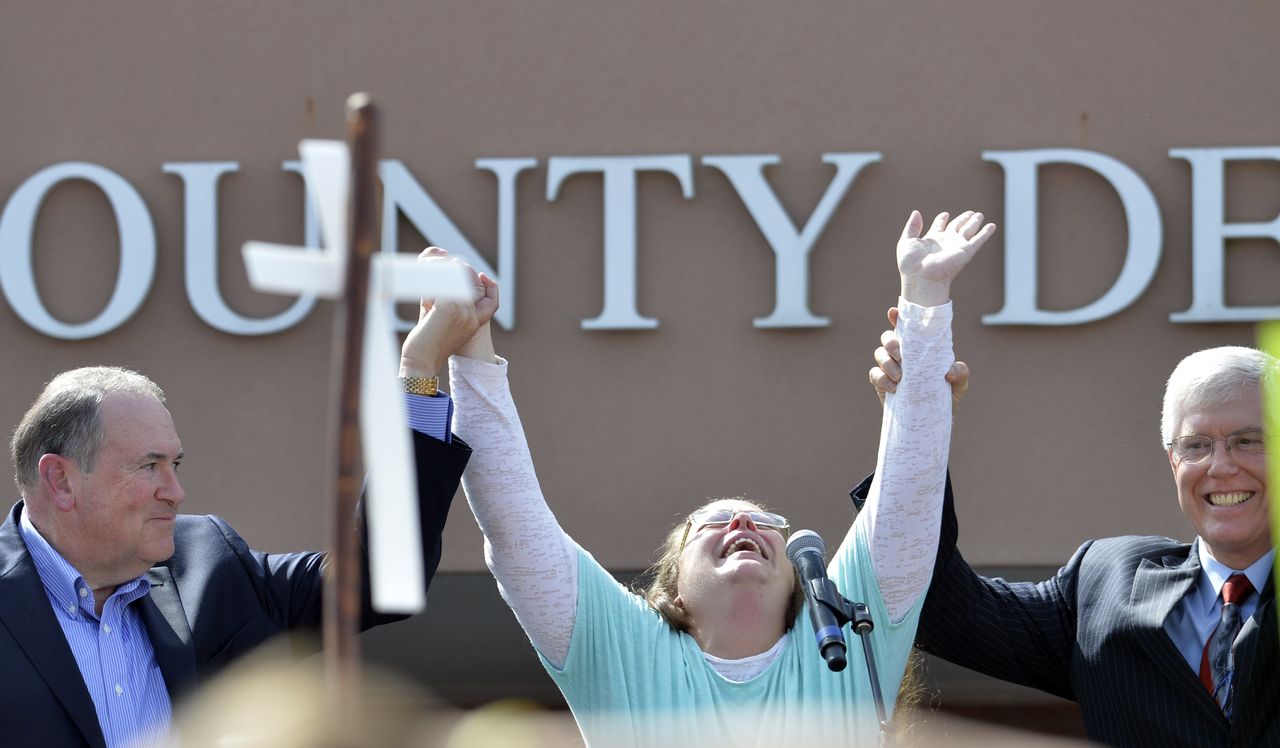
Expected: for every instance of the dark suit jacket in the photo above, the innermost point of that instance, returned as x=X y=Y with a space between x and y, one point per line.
x=1094 y=634
x=214 y=600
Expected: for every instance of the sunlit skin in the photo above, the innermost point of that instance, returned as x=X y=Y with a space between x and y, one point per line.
x=737 y=603
x=116 y=522
x=1236 y=535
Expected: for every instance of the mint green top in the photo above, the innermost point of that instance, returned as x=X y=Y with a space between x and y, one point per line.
x=631 y=680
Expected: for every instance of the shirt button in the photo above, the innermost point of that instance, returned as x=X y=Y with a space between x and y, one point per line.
x=71 y=609
x=106 y=628
x=119 y=690
x=84 y=592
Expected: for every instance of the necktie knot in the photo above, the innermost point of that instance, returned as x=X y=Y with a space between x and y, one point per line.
x=1236 y=589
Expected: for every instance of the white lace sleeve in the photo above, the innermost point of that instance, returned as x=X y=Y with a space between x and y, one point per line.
x=903 y=513
x=534 y=561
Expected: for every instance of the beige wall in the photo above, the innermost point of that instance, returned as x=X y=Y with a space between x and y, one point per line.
x=1056 y=441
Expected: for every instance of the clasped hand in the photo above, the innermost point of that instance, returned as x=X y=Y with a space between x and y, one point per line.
x=448 y=327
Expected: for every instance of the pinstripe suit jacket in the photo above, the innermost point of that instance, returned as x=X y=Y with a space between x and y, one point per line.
x=212 y=602
x=1093 y=633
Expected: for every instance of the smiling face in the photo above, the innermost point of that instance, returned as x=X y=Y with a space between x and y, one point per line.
x=122 y=519
x=720 y=560
x=1224 y=496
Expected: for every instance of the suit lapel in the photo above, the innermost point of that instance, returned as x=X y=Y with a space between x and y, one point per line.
x=1157 y=588
x=28 y=615
x=170 y=634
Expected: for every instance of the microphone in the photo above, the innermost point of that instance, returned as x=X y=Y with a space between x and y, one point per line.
x=805 y=550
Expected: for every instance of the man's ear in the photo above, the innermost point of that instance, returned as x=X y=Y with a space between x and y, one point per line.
x=55 y=473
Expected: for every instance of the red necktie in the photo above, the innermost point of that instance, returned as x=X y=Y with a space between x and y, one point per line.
x=1215 y=659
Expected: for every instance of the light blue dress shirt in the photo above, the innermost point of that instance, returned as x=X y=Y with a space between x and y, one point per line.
x=430 y=415
x=1195 y=617
x=113 y=651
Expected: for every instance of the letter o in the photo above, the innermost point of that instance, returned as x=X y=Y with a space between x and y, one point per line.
x=137 y=250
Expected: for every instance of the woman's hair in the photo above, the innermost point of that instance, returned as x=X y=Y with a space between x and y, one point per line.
x=911 y=707
x=663 y=577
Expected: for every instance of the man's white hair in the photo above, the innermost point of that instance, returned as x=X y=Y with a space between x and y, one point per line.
x=1208 y=378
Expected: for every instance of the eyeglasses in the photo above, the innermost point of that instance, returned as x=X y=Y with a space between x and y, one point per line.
x=1195 y=448
x=719 y=518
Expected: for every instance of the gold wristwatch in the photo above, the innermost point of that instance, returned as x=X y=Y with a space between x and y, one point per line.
x=427 y=386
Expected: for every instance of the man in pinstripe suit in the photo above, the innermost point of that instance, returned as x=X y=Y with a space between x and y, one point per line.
x=1124 y=627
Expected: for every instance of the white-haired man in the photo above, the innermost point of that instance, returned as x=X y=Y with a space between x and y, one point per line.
x=1160 y=642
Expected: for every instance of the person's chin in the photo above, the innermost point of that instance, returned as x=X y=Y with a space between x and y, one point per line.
x=161 y=549
x=755 y=570
x=160 y=558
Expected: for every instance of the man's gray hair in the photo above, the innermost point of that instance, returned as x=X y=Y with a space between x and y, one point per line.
x=66 y=418
x=1211 y=377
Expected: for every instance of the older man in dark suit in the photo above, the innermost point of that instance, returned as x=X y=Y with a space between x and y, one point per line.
x=112 y=604
x=1162 y=643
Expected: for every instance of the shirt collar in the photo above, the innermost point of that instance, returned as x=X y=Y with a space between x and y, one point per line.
x=1214 y=574
x=64 y=585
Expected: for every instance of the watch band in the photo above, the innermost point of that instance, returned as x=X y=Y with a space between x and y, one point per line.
x=427 y=386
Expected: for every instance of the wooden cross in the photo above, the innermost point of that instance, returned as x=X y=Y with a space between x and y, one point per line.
x=340 y=180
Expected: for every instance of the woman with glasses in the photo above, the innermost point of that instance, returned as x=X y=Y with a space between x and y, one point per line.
x=713 y=652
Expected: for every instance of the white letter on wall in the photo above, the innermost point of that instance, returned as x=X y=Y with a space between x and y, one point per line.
x=137 y=250
x=200 y=182
x=1210 y=230
x=401 y=193
x=619 y=311
x=1141 y=256
x=790 y=247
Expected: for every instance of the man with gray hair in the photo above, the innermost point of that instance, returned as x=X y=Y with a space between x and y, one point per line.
x=112 y=604
x=1160 y=642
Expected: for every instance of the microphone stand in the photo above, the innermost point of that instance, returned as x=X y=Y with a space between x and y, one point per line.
x=824 y=593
